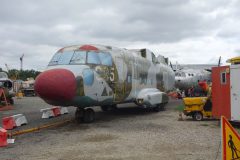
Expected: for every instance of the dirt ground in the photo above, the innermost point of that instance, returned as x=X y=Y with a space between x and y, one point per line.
x=127 y=133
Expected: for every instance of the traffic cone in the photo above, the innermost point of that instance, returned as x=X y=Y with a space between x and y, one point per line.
x=3 y=137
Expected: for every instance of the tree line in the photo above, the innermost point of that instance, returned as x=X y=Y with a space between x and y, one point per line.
x=15 y=74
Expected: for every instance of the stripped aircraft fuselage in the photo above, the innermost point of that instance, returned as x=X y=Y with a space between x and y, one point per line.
x=187 y=78
x=97 y=75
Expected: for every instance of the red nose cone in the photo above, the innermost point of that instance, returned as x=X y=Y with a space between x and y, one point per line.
x=56 y=85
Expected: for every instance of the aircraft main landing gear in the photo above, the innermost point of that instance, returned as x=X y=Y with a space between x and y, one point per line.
x=84 y=115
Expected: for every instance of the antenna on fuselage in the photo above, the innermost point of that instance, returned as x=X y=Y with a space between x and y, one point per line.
x=219 y=61
x=171 y=66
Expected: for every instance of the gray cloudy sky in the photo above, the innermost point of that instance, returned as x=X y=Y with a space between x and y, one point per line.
x=187 y=31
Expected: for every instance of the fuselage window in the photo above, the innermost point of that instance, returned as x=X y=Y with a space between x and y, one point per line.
x=79 y=57
x=105 y=58
x=143 y=53
x=154 y=60
x=223 y=78
x=93 y=58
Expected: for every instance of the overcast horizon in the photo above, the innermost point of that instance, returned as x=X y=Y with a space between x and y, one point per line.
x=185 y=31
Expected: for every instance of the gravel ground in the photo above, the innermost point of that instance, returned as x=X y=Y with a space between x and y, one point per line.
x=128 y=133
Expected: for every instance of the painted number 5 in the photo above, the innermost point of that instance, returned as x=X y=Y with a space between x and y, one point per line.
x=112 y=75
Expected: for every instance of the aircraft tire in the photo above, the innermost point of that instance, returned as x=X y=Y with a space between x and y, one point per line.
x=156 y=109
x=79 y=115
x=197 y=116
x=159 y=107
x=162 y=106
x=89 y=115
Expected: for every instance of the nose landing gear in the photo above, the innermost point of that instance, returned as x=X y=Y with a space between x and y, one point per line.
x=84 y=115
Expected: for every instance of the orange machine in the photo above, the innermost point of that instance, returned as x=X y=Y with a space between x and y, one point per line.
x=221 y=92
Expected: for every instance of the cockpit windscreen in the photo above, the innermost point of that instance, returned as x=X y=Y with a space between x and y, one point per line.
x=81 y=57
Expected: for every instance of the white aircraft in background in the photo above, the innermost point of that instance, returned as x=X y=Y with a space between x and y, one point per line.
x=187 y=76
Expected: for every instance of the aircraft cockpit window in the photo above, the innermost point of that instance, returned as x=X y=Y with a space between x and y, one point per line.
x=55 y=58
x=61 y=58
x=65 y=57
x=93 y=58
x=177 y=74
x=183 y=75
x=79 y=57
x=105 y=58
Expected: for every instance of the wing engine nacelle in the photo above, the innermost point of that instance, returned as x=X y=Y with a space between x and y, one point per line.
x=150 y=97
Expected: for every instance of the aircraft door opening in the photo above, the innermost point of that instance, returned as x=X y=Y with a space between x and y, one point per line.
x=134 y=77
x=165 y=80
x=119 y=81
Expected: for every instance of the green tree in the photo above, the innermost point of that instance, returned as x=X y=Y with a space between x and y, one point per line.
x=23 y=75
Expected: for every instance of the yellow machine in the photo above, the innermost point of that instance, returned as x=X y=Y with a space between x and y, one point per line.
x=197 y=107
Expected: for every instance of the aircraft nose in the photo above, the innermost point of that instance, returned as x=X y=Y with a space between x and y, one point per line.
x=56 y=85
